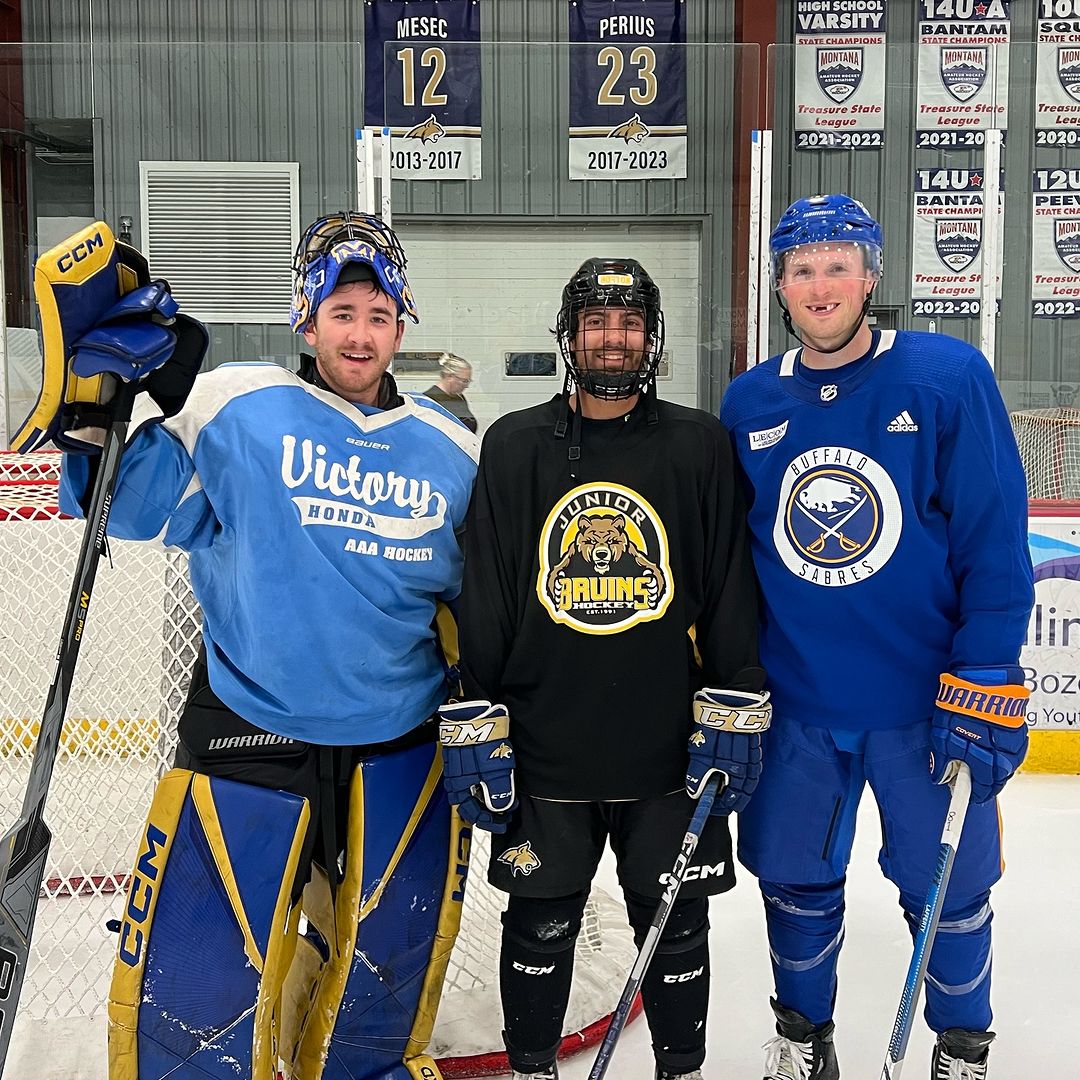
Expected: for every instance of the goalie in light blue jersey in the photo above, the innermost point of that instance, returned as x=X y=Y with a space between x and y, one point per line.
x=889 y=530
x=321 y=511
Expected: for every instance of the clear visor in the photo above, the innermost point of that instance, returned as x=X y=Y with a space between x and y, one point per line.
x=813 y=263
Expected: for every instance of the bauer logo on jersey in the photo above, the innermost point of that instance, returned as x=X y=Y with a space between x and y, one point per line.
x=838 y=518
x=604 y=560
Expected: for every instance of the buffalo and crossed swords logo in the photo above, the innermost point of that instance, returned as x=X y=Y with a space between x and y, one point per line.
x=829 y=500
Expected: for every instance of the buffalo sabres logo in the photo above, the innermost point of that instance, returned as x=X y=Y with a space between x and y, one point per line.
x=603 y=560
x=632 y=130
x=429 y=131
x=839 y=72
x=1068 y=70
x=839 y=518
x=1067 y=242
x=958 y=241
x=521 y=859
x=963 y=70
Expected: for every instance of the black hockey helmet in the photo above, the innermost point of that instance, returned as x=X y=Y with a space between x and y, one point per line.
x=601 y=283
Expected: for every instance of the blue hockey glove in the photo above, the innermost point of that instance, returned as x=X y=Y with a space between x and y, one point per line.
x=478 y=762
x=980 y=718
x=727 y=739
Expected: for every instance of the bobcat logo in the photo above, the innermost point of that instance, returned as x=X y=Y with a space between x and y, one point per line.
x=521 y=859
x=697 y=739
x=503 y=750
x=429 y=131
x=633 y=130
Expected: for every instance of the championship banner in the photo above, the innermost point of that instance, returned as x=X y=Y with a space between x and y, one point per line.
x=946 y=243
x=1057 y=73
x=427 y=90
x=839 y=74
x=627 y=90
x=1055 y=244
x=963 y=83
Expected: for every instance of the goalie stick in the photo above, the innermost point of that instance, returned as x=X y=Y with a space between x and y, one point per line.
x=652 y=938
x=928 y=924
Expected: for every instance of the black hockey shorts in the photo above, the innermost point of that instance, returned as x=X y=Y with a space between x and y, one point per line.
x=553 y=848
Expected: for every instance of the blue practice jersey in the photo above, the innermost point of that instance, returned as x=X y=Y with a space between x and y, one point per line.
x=889 y=526
x=321 y=534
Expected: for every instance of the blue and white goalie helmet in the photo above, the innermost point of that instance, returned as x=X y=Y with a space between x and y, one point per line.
x=334 y=242
x=824 y=219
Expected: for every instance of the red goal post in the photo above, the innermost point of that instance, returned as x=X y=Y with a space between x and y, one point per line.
x=1049 y=444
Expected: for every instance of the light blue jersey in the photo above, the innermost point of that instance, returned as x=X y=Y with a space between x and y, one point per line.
x=321 y=534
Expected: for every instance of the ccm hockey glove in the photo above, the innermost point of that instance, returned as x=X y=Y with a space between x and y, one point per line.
x=727 y=739
x=478 y=762
x=980 y=718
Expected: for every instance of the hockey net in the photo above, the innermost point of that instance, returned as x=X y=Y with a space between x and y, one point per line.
x=141 y=638
x=1049 y=443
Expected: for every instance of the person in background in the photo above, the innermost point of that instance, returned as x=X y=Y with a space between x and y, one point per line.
x=454 y=379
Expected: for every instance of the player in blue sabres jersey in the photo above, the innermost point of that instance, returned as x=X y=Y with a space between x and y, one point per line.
x=321 y=512
x=888 y=518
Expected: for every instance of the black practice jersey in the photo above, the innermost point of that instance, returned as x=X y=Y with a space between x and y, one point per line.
x=595 y=605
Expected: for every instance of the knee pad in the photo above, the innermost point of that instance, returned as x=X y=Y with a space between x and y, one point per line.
x=207 y=932
x=363 y=991
x=687 y=926
x=544 y=925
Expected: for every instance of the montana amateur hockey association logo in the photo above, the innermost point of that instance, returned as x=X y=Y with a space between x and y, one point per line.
x=604 y=560
x=838 y=518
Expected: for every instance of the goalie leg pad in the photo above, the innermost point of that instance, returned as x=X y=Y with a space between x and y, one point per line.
x=206 y=935
x=389 y=931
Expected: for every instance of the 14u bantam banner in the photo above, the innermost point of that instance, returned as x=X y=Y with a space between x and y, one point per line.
x=422 y=80
x=1057 y=73
x=839 y=74
x=627 y=89
x=963 y=85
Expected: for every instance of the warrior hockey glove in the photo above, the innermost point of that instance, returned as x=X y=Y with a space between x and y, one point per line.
x=980 y=718
x=727 y=739
x=478 y=762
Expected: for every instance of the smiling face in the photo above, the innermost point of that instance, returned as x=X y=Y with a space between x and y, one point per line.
x=610 y=338
x=355 y=333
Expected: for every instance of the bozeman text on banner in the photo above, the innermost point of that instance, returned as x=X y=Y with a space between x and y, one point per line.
x=963 y=82
x=1055 y=244
x=627 y=89
x=839 y=75
x=422 y=80
x=1057 y=73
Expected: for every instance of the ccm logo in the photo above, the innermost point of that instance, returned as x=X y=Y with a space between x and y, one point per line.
x=141 y=897
x=79 y=252
x=527 y=970
x=686 y=976
x=697 y=873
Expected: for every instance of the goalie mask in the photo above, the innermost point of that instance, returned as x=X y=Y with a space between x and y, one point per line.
x=347 y=247
x=607 y=352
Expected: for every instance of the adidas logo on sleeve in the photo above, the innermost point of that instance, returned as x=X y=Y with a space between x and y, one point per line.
x=903 y=422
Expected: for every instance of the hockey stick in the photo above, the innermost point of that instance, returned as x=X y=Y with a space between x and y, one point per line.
x=928 y=924
x=25 y=846
x=652 y=938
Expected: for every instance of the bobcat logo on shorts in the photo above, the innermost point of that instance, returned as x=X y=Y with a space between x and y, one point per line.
x=521 y=859
x=604 y=560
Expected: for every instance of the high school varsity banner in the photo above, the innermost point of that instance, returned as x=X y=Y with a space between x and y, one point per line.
x=1055 y=244
x=963 y=82
x=839 y=74
x=1057 y=73
x=627 y=89
x=426 y=86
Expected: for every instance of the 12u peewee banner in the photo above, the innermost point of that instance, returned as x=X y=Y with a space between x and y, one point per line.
x=839 y=74
x=1057 y=73
x=1055 y=244
x=422 y=80
x=963 y=83
x=627 y=89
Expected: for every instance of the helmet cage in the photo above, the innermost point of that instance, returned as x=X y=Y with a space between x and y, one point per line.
x=332 y=242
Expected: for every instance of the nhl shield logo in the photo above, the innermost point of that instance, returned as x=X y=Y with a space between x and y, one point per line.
x=1067 y=242
x=1068 y=69
x=839 y=72
x=958 y=241
x=963 y=71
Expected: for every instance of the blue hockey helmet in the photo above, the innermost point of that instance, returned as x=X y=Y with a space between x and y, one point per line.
x=344 y=247
x=821 y=219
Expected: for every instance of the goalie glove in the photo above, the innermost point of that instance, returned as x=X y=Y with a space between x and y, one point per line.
x=980 y=718
x=478 y=762
x=727 y=740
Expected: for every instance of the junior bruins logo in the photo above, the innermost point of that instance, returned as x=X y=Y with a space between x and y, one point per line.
x=838 y=519
x=604 y=560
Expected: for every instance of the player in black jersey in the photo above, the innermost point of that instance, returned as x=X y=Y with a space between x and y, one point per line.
x=607 y=582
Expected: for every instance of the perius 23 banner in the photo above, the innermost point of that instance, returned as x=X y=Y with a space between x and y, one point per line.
x=627 y=90
x=1057 y=73
x=426 y=85
x=1055 y=244
x=839 y=74
x=963 y=71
